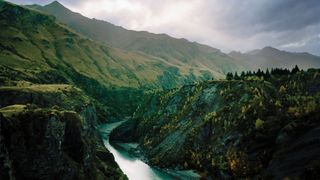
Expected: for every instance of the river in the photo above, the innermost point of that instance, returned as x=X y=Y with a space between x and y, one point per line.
x=133 y=167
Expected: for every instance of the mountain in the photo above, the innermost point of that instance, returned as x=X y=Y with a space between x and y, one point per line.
x=35 y=43
x=49 y=108
x=238 y=129
x=270 y=57
x=179 y=52
x=62 y=75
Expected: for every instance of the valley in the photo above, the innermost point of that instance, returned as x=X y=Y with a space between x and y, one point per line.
x=82 y=98
x=235 y=128
x=133 y=166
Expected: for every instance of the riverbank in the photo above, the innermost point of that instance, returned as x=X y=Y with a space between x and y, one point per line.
x=133 y=166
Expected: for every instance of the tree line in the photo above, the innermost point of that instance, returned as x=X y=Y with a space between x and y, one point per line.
x=260 y=73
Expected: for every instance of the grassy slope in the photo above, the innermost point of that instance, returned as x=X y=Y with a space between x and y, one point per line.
x=33 y=43
x=179 y=52
x=42 y=45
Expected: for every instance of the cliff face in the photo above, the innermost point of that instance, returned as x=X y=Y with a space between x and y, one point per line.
x=234 y=129
x=49 y=133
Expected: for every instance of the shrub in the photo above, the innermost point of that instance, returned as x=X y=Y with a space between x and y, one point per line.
x=259 y=123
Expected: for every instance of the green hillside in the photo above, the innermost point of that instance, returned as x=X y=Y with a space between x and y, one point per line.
x=35 y=43
x=184 y=110
x=256 y=128
x=176 y=51
x=35 y=48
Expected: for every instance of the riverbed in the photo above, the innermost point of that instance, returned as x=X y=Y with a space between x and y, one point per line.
x=135 y=168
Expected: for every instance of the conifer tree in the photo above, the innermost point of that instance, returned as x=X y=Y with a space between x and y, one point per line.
x=295 y=70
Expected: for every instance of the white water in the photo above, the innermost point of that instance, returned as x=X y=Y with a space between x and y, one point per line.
x=134 y=168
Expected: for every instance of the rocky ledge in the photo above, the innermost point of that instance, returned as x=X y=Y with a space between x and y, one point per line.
x=58 y=141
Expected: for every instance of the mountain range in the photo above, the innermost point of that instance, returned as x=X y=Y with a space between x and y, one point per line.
x=63 y=75
x=270 y=57
x=117 y=57
x=178 y=51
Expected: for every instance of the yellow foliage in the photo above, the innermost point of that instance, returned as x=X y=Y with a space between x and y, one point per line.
x=294 y=111
x=282 y=89
x=147 y=141
x=237 y=162
x=261 y=104
x=210 y=116
x=278 y=103
x=257 y=92
x=259 y=123
x=243 y=109
x=221 y=92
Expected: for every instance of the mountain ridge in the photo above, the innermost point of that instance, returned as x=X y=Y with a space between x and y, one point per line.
x=173 y=50
x=110 y=66
x=270 y=57
x=177 y=51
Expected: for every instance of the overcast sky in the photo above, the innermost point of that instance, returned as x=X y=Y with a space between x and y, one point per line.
x=240 y=25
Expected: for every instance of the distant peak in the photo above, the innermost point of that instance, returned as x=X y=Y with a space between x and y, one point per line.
x=234 y=52
x=55 y=4
x=269 y=48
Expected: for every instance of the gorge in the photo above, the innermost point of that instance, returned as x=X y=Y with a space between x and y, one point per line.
x=82 y=98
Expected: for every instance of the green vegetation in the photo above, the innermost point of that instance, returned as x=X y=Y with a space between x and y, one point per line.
x=37 y=54
x=49 y=128
x=37 y=49
x=240 y=128
x=57 y=85
x=36 y=46
x=260 y=74
x=178 y=53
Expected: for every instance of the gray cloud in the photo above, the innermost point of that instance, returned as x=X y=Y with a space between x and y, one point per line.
x=229 y=25
x=267 y=15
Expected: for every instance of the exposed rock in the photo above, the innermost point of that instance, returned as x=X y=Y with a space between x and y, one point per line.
x=299 y=159
x=50 y=144
x=57 y=141
x=234 y=129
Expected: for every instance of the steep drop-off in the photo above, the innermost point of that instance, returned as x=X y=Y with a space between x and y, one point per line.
x=253 y=128
x=49 y=132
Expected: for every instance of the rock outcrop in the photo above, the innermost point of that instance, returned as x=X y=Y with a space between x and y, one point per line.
x=233 y=129
x=50 y=133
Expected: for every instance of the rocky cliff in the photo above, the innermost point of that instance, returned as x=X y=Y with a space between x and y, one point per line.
x=49 y=132
x=253 y=128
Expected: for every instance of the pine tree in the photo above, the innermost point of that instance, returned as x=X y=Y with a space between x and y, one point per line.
x=242 y=76
x=236 y=77
x=229 y=76
x=295 y=70
x=267 y=75
x=259 y=73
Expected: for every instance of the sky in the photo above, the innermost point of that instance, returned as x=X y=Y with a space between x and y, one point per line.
x=240 y=25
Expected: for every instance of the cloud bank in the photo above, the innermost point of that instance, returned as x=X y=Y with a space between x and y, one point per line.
x=292 y=25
